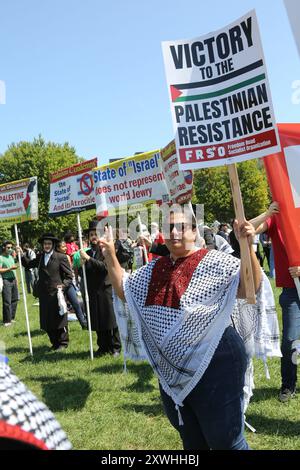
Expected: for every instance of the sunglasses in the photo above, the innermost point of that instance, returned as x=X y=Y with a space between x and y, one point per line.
x=180 y=227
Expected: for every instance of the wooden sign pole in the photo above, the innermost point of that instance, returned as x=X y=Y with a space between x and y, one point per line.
x=240 y=216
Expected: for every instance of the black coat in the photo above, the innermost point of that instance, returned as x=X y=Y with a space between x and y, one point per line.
x=57 y=272
x=100 y=293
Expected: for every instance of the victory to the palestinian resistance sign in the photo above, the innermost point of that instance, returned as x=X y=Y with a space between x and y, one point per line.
x=19 y=201
x=220 y=97
x=133 y=180
x=72 y=189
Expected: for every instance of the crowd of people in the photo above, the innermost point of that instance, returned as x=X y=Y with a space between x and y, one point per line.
x=181 y=292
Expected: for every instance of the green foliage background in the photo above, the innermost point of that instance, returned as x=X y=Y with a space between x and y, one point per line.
x=39 y=158
x=212 y=188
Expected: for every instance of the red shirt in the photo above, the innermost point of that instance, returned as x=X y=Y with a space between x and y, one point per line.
x=159 y=240
x=283 y=277
x=71 y=248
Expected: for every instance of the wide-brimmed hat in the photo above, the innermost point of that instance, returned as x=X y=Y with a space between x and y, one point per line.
x=48 y=236
x=92 y=226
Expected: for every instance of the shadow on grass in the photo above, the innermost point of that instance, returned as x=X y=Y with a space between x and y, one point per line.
x=143 y=372
x=45 y=354
x=64 y=395
x=37 y=351
x=33 y=333
x=273 y=426
x=148 y=410
x=264 y=394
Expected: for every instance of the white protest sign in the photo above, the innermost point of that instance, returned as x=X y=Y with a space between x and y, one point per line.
x=72 y=189
x=220 y=97
x=179 y=182
x=133 y=180
x=19 y=201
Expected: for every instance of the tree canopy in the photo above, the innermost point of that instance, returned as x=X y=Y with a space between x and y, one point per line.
x=39 y=158
x=212 y=188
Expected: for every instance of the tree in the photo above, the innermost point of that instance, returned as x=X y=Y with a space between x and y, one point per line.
x=40 y=159
x=212 y=188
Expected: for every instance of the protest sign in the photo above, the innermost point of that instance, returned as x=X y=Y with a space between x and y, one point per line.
x=133 y=180
x=179 y=182
x=220 y=97
x=19 y=201
x=72 y=189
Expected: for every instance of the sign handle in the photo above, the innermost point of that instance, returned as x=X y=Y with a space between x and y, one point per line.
x=87 y=300
x=140 y=229
x=245 y=251
x=23 y=291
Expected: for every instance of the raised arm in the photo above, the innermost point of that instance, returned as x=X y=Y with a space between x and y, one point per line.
x=259 y=222
x=246 y=230
x=115 y=271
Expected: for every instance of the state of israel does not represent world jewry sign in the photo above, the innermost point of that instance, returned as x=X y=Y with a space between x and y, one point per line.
x=220 y=96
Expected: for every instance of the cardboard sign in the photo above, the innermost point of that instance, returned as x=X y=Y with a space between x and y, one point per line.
x=220 y=97
x=19 y=201
x=72 y=189
x=133 y=180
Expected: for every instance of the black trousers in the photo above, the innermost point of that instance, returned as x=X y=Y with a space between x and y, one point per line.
x=59 y=337
x=10 y=297
x=109 y=341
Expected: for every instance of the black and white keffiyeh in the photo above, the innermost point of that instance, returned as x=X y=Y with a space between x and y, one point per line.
x=20 y=409
x=180 y=343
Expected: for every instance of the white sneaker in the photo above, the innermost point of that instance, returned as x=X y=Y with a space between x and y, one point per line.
x=13 y=321
x=7 y=324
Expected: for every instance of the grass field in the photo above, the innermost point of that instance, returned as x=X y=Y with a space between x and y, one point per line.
x=100 y=407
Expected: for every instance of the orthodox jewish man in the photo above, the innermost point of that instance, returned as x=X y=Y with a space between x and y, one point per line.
x=103 y=319
x=54 y=271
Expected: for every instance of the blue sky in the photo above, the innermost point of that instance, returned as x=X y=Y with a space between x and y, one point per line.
x=91 y=72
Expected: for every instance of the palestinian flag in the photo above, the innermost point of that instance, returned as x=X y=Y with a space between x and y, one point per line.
x=26 y=201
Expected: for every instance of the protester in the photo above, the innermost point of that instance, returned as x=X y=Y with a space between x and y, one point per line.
x=29 y=254
x=103 y=319
x=54 y=271
x=25 y=422
x=224 y=231
x=268 y=222
x=10 y=294
x=182 y=305
x=71 y=246
x=72 y=291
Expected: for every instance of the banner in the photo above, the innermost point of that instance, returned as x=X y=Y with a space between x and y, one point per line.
x=19 y=201
x=220 y=97
x=293 y=11
x=133 y=180
x=179 y=183
x=72 y=189
x=283 y=171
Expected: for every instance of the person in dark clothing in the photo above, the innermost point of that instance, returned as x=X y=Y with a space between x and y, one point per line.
x=10 y=295
x=103 y=319
x=54 y=271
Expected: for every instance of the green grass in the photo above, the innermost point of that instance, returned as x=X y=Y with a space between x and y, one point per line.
x=100 y=407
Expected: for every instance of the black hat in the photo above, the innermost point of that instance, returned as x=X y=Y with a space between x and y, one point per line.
x=92 y=226
x=48 y=236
